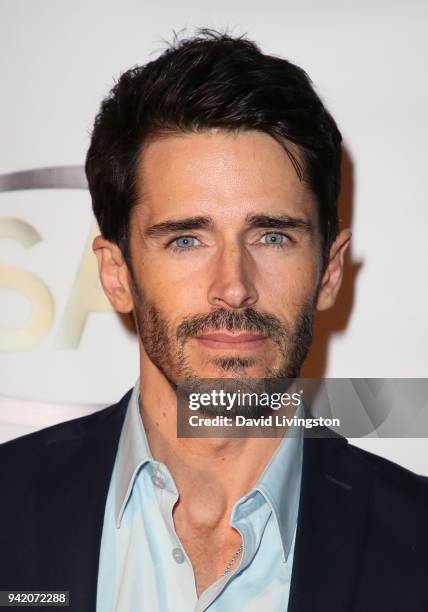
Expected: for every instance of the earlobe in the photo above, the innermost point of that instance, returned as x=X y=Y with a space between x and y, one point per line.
x=333 y=274
x=114 y=274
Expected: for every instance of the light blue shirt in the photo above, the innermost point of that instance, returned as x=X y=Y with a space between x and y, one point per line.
x=143 y=565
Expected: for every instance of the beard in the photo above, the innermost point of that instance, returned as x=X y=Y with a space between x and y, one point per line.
x=165 y=344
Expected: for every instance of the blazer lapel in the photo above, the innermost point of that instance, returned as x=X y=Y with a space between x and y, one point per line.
x=70 y=503
x=330 y=529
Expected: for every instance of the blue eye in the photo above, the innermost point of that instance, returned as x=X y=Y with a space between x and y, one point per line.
x=184 y=242
x=274 y=239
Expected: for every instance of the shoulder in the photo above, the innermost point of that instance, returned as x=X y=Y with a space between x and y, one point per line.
x=386 y=471
x=22 y=451
x=386 y=505
x=394 y=488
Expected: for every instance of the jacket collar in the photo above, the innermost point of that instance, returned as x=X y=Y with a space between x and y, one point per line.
x=76 y=466
x=331 y=527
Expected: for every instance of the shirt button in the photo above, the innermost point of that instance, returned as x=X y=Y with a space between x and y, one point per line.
x=178 y=555
x=158 y=480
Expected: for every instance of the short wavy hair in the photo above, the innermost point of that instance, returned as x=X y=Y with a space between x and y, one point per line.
x=211 y=80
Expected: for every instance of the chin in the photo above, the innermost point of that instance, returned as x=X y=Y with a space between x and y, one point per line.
x=232 y=368
x=197 y=365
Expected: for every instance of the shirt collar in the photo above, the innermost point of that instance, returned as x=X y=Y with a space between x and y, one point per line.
x=279 y=483
x=133 y=452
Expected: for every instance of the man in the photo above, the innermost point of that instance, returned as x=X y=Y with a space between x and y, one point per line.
x=214 y=173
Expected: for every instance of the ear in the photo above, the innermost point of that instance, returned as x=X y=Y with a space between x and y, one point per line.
x=114 y=274
x=333 y=274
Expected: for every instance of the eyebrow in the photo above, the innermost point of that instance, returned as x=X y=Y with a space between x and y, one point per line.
x=253 y=221
x=280 y=222
x=179 y=225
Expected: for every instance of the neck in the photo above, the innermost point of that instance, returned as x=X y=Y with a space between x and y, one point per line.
x=219 y=470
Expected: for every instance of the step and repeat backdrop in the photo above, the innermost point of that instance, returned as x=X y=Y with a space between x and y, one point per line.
x=63 y=351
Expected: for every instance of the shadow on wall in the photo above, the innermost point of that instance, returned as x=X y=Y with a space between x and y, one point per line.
x=335 y=320
x=128 y=322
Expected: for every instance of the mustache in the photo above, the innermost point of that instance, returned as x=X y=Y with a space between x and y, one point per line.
x=230 y=320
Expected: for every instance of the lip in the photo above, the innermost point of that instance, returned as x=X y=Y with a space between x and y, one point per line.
x=221 y=340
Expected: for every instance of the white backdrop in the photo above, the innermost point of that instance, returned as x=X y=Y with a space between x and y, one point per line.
x=60 y=345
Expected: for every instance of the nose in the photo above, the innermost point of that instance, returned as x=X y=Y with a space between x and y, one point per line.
x=232 y=283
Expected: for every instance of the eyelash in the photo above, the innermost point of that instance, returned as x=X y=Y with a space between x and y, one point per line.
x=176 y=249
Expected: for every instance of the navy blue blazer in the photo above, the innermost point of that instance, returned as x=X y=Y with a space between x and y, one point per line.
x=362 y=532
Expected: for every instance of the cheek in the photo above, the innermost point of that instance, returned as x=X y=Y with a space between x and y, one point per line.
x=175 y=293
x=289 y=286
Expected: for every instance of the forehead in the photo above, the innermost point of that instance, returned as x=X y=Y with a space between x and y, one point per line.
x=221 y=174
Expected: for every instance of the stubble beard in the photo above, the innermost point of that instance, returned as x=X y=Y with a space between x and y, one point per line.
x=165 y=346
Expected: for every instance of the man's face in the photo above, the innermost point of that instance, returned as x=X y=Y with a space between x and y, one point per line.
x=226 y=257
